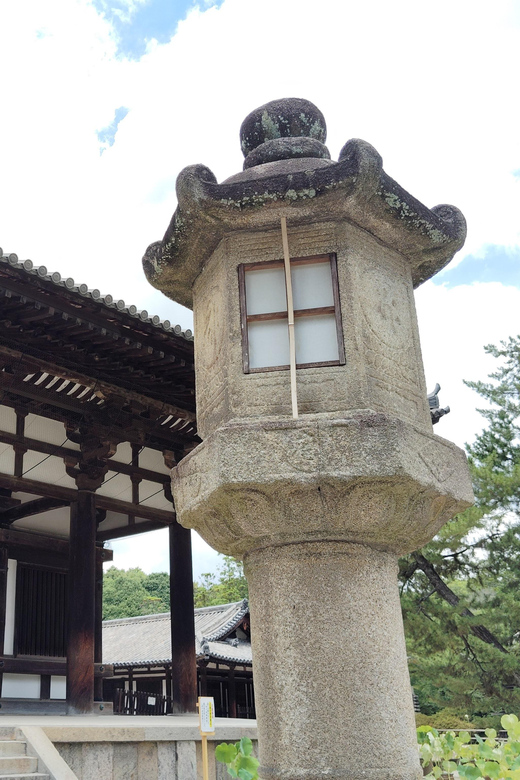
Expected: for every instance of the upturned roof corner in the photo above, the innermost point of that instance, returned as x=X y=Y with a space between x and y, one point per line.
x=287 y=172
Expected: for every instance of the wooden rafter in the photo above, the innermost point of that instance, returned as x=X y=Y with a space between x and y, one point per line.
x=102 y=387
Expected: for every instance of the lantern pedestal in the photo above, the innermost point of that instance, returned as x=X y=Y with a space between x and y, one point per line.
x=332 y=690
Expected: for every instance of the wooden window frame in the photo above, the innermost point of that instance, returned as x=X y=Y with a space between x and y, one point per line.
x=280 y=315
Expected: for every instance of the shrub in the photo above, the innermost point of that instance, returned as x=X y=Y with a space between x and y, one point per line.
x=454 y=755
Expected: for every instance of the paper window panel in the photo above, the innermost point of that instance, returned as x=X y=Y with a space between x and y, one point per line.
x=316 y=339
x=312 y=285
x=265 y=291
x=268 y=343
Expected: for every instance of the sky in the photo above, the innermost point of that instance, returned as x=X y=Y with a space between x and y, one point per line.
x=103 y=103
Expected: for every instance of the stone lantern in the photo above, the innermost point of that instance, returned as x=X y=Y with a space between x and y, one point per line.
x=318 y=465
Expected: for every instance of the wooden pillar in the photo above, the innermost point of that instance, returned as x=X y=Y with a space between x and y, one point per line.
x=232 y=693
x=184 y=668
x=168 y=673
x=3 y=595
x=82 y=587
x=204 y=679
x=98 y=630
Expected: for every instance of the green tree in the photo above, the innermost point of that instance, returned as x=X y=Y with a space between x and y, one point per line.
x=157 y=584
x=230 y=584
x=459 y=593
x=123 y=592
x=131 y=592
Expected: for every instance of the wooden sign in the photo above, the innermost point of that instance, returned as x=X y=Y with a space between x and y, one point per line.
x=206 y=714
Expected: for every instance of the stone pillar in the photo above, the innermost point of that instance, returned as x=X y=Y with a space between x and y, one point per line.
x=82 y=589
x=332 y=689
x=184 y=666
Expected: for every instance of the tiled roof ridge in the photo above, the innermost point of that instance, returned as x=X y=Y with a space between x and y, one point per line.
x=94 y=294
x=232 y=623
x=230 y=658
x=138 y=619
x=139 y=663
x=218 y=607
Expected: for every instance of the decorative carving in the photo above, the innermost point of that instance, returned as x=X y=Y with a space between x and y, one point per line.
x=435 y=408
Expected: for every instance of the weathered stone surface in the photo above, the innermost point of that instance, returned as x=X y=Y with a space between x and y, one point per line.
x=383 y=369
x=97 y=761
x=167 y=761
x=366 y=478
x=285 y=118
x=72 y=755
x=286 y=149
x=305 y=190
x=186 y=761
x=125 y=761
x=147 y=760
x=330 y=703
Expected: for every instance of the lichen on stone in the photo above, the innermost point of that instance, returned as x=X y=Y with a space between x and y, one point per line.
x=270 y=127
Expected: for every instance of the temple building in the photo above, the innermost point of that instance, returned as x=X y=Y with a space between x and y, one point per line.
x=96 y=405
x=139 y=650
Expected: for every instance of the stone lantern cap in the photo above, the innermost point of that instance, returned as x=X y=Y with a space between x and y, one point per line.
x=288 y=172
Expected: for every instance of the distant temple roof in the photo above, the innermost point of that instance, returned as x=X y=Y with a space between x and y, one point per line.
x=146 y=640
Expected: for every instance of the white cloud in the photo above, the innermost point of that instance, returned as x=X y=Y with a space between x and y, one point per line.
x=432 y=86
x=455 y=324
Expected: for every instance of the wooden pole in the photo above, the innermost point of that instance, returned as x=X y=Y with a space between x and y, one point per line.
x=205 y=764
x=290 y=318
x=82 y=587
x=184 y=665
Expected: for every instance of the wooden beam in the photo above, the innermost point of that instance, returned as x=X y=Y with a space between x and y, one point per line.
x=90 y=315
x=139 y=510
x=30 y=508
x=82 y=588
x=16 y=538
x=43 y=665
x=25 y=485
x=11 y=665
x=129 y=530
x=61 y=452
x=184 y=665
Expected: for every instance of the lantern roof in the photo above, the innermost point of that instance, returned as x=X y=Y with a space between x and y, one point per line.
x=288 y=172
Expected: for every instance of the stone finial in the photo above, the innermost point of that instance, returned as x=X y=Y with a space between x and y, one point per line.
x=282 y=130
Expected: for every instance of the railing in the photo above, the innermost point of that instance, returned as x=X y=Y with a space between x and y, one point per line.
x=141 y=703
